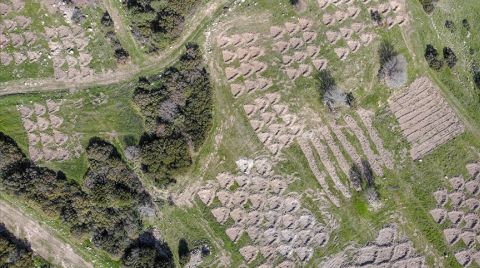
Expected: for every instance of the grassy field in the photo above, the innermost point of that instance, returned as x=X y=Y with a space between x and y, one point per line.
x=104 y=112
x=405 y=192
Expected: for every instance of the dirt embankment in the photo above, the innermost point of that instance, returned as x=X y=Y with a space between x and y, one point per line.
x=40 y=238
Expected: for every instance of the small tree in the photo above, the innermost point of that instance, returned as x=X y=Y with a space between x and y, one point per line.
x=394 y=72
x=449 y=57
x=327 y=82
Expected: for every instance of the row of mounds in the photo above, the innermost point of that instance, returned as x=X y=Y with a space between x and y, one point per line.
x=254 y=203
x=457 y=212
x=333 y=154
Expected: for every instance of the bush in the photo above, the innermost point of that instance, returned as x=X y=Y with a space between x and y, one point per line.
x=183 y=251
x=476 y=74
x=431 y=55
x=449 y=57
x=450 y=26
x=428 y=5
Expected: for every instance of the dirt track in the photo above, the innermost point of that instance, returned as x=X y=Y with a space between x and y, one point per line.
x=40 y=237
x=125 y=72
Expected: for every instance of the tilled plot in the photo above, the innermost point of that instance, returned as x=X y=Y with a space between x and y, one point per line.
x=426 y=119
x=457 y=211
x=253 y=203
x=388 y=250
x=45 y=139
x=343 y=22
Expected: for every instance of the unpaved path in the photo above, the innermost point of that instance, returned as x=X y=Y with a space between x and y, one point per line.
x=127 y=71
x=40 y=238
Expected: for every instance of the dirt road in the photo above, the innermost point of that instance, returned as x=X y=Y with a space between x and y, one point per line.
x=41 y=239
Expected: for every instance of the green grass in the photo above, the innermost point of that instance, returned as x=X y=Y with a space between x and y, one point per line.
x=103 y=55
x=113 y=120
x=406 y=191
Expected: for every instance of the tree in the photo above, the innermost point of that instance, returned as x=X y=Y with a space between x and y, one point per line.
x=394 y=72
x=449 y=57
x=147 y=251
x=431 y=55
x=393 y=67
x=329 y=92
x=177 y=107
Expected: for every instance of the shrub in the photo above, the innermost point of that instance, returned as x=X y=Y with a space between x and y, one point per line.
x=376 y=17
x=466 y=24
x=449 y=57
x=106 y=20
x=431 y=55
x=450 y=26
x=428 y=5
x=386 y=52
